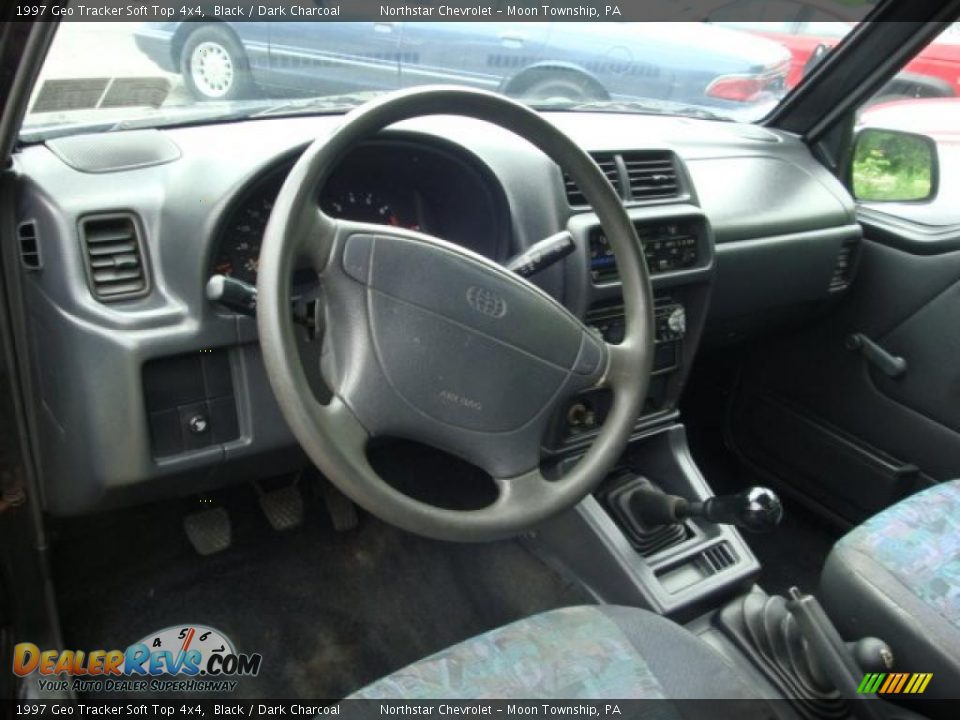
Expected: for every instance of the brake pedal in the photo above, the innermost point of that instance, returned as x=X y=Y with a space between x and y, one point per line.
x=342 y=511
x=209 y=531
x=283 y=506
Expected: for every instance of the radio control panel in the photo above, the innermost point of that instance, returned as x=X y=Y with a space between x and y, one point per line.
x=667 y=246
x=677 y=245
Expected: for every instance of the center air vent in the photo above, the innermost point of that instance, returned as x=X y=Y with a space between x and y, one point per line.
x=607 y=163
x=651 y=175
x=114 y=256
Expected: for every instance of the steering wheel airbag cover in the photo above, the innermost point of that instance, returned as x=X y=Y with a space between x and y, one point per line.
x=507 y=348
x=468 y=293
x=477 y=383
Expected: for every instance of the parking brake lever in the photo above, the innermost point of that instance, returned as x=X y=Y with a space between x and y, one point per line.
x=542 y=254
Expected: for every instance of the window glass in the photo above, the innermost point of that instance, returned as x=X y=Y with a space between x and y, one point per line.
x=737 y=64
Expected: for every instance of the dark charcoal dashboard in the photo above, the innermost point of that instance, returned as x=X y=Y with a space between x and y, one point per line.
x=145 y=389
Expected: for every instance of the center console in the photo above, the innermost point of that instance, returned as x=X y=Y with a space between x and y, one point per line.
x=677 y=569
x=673 y=568
x=678 y=247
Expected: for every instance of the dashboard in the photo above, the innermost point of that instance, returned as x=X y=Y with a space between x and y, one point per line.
x=167 y=394
x=403 y=183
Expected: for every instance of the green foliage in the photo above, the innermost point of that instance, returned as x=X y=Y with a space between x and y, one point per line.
x=888 y=165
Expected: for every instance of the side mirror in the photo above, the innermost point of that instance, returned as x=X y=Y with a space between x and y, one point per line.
x=818 y=54
x=893 y=166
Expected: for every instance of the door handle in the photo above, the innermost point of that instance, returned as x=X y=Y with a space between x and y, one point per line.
x=892 y=366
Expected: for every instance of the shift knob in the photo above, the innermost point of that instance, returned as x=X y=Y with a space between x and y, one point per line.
x=872 y=654
x=757 y=509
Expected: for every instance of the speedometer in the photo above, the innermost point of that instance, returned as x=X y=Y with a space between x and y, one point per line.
x=240 y=257
x=349 y=198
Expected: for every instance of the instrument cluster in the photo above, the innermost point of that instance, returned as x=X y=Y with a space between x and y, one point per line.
x=397 y=182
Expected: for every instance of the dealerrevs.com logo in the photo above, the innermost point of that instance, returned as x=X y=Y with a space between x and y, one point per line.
x=182 y=658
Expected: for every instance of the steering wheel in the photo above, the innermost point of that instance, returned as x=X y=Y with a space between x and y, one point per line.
x=431 y=342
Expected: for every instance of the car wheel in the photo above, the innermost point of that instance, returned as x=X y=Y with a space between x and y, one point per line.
x=562 y=86
x=214 y=65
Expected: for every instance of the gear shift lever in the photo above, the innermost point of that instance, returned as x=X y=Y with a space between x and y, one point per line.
x=757 y=509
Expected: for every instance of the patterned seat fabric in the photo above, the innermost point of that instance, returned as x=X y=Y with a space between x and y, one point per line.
x=918 y=542
x=897 y=577
x=590 y=652
x=575 y=652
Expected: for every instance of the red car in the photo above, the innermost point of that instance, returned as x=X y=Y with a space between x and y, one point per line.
x=937 y=117
x=935 y=72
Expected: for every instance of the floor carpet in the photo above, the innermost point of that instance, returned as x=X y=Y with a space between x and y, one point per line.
x=329 y=611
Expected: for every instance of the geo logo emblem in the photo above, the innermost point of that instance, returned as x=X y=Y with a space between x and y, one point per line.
x=486 y=302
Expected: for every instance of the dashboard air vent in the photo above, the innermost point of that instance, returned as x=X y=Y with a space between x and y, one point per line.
x=607 y=163
x=651 y=175
x=113 y=252
x=843 y=269
x=29 y=245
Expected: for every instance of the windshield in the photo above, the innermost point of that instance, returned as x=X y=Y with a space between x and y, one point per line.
x=114 y=74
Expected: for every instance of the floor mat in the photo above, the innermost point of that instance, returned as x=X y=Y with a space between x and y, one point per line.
x=328 y=611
